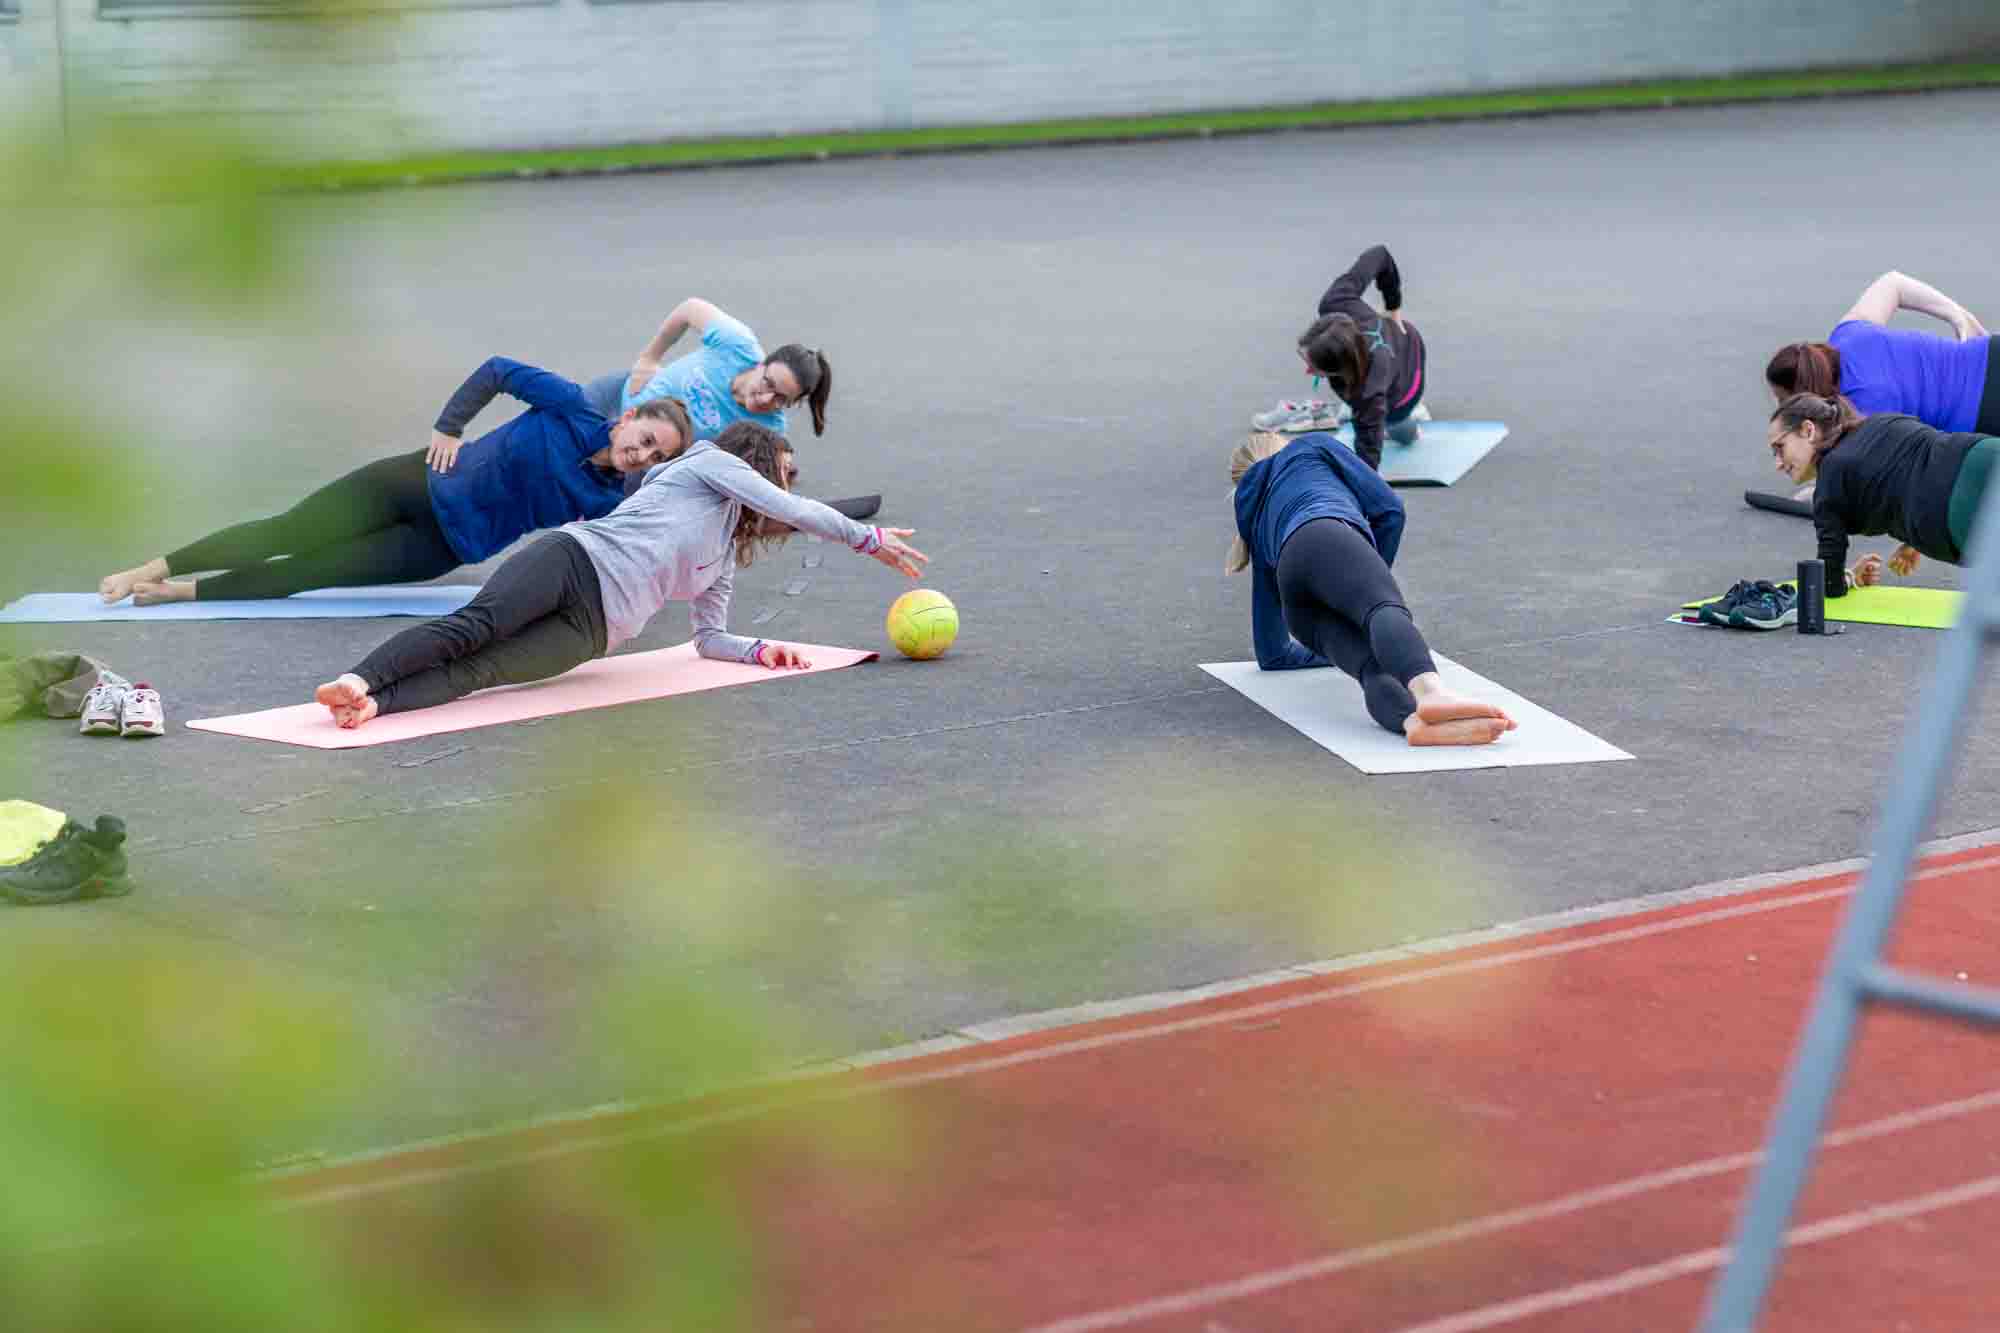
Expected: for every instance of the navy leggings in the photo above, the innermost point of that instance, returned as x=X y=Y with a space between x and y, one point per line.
x=540 y=614
x=1342 y=602
x=374 y=525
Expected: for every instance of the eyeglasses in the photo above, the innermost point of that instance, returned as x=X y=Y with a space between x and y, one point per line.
x=770 y=386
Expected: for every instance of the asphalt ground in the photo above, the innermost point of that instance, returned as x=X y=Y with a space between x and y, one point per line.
x=1042 y=358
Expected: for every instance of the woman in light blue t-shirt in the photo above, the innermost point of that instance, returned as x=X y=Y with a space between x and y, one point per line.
x=729 y=378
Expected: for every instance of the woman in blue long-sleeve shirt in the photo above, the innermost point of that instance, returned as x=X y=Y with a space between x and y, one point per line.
x=1318 y=529
x=420 y=515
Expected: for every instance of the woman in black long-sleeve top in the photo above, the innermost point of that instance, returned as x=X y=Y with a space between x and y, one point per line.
x=1882 y=474
x=1375 y=362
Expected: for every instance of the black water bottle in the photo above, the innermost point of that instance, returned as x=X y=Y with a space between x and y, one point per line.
x=1812 y=597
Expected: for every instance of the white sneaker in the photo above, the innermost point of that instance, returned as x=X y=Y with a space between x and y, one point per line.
x=102 y=707
x=140 y=714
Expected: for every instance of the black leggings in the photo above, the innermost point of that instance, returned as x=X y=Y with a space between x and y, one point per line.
x=1342 y=602
x=539 y=615
x=374 y=525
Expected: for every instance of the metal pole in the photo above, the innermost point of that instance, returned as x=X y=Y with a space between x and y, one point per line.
x=1921 y=768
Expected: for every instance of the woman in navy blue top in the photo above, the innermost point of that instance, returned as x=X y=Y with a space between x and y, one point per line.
x=1318 y=529
x=419 y=515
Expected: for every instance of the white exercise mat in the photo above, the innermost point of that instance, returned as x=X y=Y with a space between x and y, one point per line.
x=1325 y=704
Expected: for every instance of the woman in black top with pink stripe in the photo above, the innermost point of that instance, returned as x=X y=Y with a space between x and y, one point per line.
x=1374 y=361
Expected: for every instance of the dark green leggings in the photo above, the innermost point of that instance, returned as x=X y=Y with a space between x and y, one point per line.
x=1968 y=491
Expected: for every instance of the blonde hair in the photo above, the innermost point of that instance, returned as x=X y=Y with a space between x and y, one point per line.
x=1260 y=446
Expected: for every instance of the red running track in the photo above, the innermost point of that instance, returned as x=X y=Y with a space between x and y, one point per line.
x=1550 y=1133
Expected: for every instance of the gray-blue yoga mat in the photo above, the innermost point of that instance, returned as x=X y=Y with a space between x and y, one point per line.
x=1447 y=451
x=68 y=608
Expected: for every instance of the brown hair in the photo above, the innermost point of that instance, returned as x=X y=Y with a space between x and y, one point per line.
x=672 y=411
x=765 y=451
x=1805 y=368
x=1335 y=346
x=809 y=367
x=1833 y=416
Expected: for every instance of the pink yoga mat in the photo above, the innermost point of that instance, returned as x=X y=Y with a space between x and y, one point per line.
x=597 y=684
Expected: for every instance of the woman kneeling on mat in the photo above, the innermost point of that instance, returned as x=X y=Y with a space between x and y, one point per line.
x=584 y=589
x=1950 y=383
x=420 y=515
x=1318 y=530
x=1375 y=362
x=1882 y=474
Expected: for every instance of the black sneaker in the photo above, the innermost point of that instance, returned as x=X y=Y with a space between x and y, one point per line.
x=1717 y=611
x=76 y=863
x=1770 y=606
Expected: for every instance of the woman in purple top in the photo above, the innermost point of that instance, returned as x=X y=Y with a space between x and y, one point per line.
x=1950 y=384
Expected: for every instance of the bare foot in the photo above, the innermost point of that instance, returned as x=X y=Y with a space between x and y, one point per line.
x=117 y=587
x=347 y=698
x=1438 y=706
x=162 y=592
x=1462 y=731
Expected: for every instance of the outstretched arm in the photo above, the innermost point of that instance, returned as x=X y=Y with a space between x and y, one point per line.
x=693 y=313
x=737 y=480
x=1895 y=291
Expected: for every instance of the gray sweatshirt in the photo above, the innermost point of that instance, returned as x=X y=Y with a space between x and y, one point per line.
x=670 y=542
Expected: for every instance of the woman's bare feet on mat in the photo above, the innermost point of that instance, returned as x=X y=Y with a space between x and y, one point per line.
x=1443 y=718
x=162 y=592
x=117 y=587
x=348 y=700
x=1462 y=731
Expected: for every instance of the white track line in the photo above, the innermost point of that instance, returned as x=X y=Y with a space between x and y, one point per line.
x=1701 y=1261
x=1023 y=1024
x=1256 y=1284
x=851 y=1091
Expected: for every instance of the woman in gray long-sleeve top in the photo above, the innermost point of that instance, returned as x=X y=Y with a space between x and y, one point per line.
x=587 y=587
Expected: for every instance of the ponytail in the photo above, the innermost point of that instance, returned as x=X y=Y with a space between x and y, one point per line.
x=1834 y=417
x=1812 y=368
x=815 y=376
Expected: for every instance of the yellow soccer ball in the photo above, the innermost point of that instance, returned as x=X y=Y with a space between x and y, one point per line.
x=922 y=623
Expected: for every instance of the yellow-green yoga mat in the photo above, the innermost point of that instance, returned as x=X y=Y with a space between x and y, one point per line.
x=1917 y=608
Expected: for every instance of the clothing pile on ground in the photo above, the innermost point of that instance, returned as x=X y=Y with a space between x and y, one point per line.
x=47 y=857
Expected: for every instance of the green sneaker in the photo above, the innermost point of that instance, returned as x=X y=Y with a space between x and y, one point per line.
x=76 y=863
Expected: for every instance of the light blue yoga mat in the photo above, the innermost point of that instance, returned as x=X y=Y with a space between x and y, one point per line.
x=1447 y=451
x=68 y=608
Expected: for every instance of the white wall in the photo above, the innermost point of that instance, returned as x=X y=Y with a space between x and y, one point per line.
x=572 y=73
